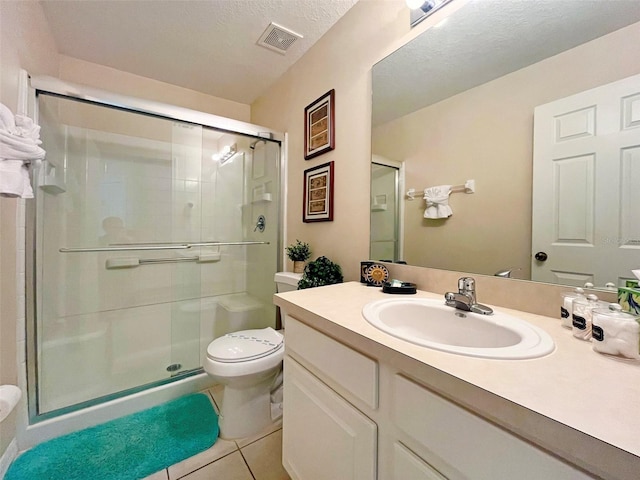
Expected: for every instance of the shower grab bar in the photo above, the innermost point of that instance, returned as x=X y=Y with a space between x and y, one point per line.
x=132 y=262
x=125 y=247
x=168 y=260
x=218 y=244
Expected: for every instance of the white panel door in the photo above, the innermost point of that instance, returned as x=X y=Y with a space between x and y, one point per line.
x=586 y=186
x=324 y=437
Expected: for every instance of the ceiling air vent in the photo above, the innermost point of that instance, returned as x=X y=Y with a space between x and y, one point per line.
x=278 y=38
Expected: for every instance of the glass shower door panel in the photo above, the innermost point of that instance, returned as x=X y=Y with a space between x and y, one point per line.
x=263 y=199
x=186 y=226
x=237 y=290
x=224 y=272
x=100 y=329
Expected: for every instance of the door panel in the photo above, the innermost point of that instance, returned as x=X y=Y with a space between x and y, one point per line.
x=586 y=148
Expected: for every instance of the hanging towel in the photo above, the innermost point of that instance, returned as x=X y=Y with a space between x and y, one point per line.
x=437 y=202
x=19 y=150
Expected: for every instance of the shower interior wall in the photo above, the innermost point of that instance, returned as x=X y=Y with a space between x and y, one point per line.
x=102 y=331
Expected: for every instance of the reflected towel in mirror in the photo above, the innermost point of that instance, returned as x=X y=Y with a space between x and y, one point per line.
x=437 y=199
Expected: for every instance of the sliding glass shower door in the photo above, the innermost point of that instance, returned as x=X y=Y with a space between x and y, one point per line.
x=144 y=230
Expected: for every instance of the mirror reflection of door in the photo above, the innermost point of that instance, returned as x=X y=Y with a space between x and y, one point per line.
x=386 y=185
x=589 y=145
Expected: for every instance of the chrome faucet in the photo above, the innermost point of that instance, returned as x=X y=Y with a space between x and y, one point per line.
x=465 y=298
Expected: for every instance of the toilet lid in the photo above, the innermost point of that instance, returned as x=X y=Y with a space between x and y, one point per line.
x=245 y=345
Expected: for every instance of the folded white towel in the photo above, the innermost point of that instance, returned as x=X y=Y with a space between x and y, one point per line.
x=19 y=150
x=12 y=179
x=437 y=202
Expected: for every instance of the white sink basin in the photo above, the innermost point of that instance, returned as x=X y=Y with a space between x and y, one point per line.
x=431 y=323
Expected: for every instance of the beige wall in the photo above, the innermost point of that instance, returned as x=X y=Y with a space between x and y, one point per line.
x=117 y=81
x=486 y=134
x=341 y=60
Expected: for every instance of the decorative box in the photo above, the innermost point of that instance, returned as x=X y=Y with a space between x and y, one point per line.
x=629 y=297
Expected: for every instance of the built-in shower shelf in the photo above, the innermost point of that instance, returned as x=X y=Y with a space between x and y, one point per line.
x=264 y=198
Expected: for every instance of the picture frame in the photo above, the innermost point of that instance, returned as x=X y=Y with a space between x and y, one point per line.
x=317 y=203
x=319 y=126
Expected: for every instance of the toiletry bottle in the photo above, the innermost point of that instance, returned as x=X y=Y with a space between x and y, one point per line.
x=566 y=309
x=582 y=316
x=616 y=332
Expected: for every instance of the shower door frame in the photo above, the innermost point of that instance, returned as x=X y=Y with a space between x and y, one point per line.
x=55 y=87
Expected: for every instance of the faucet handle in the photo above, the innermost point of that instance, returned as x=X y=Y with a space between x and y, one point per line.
x=466 y=284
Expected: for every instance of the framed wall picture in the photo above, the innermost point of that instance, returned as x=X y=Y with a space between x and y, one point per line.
x=318 y=194
x=319 y=119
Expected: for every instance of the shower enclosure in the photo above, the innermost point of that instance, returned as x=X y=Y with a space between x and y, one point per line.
x=387 y=185
x=150 y=235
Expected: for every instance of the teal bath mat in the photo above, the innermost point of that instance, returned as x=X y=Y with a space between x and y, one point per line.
x=127 y=448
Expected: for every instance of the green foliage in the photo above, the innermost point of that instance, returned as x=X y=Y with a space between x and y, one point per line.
x=321 y=271
x=299 y=251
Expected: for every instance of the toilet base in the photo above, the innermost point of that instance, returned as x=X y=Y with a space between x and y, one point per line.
x=246 y=411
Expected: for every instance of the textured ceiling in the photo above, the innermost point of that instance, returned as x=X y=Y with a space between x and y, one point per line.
x=485 y=40
x=204 y=45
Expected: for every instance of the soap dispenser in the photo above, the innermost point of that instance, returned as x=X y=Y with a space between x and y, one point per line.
x=566 y=309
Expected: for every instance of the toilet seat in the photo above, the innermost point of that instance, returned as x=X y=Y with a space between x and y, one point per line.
x=245 y=345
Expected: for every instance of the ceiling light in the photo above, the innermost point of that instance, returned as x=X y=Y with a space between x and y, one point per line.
x=421 y=9
x=413 y=4
x=225 y=154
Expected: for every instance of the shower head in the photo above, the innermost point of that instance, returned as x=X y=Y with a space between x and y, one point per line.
x=253 y=144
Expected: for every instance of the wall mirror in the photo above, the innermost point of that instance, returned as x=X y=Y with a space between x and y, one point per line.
x=538 y=102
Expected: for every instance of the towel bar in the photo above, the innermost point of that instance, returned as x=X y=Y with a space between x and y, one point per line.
x=125 y=247
x=468 y=187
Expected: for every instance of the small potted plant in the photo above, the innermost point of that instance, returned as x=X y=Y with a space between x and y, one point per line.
x=321 y=271
x=298 y=253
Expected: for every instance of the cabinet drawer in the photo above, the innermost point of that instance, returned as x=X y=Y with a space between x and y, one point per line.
x=450 y=437
x=354 y=373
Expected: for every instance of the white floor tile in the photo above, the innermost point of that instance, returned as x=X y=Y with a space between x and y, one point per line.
x=220 y=449
x=231 y=467
x=264 y=458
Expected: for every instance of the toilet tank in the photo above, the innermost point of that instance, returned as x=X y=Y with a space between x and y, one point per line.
x=287 y=281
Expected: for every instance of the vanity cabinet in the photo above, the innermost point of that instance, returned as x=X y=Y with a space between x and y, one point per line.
x=353 y=416
x=324 y=436
x=465 y=446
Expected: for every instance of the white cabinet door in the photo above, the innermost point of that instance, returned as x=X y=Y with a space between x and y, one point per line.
x=324 y=436
x=408 y=466
x=586 y=172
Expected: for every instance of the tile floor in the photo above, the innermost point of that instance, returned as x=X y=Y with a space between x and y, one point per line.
x=255 y=458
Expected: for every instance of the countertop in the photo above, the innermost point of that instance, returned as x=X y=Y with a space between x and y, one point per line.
x=578 y=404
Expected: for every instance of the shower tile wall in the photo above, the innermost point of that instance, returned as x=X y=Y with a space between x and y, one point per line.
x=107 y=330
x=263 y=196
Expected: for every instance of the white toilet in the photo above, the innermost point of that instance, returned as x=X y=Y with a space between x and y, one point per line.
x=247 y=362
